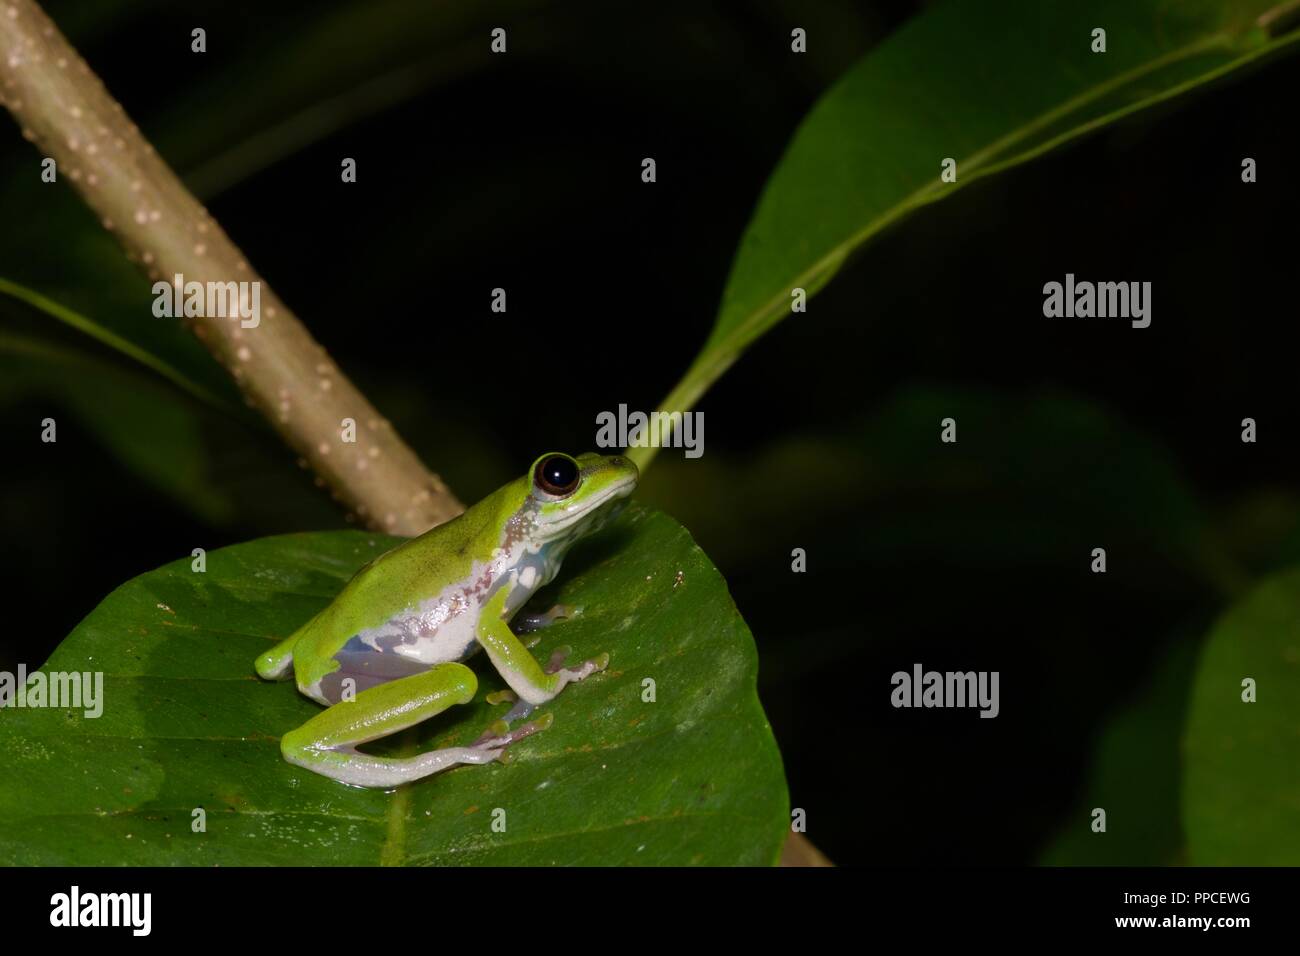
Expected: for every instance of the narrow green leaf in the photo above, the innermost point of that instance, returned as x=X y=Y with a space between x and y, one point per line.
x=988 y=84
x=130 y=350
x=130 y=412
x=126 y=397
x=319 y=73
x=691 y=778
x=1241 y=786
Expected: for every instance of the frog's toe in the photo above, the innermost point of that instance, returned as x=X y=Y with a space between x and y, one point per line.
x=519 y=711
x=558 y=657
x=528 y=622
x=499 y=736
x=585 y=670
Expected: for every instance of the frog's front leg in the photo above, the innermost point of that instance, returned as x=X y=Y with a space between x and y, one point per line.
x=527 y=678
x=327 y=744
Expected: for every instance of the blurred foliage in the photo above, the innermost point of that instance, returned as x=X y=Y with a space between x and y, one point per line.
x=1013 y=477
x=1135 y=775
x=978 y=554
x=1241 y=785
x=138 y=419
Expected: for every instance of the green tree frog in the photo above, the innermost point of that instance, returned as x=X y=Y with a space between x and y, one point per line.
x=387 y=653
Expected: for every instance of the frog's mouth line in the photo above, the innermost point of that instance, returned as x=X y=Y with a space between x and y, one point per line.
x=620 y=490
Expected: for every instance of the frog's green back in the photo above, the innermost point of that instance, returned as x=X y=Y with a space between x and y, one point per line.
x=411 y=572
x=417 y=569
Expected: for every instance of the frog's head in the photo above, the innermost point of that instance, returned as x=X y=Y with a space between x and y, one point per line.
x=576 y=496
x=565 y=498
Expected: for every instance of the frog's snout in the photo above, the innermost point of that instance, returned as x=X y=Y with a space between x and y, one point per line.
x=623 y=463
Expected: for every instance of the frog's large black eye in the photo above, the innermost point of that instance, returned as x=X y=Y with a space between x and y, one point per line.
x=556 y=475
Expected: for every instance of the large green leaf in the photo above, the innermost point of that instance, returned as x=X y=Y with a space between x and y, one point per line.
x=693 y=777
x=988 y=84
x=1241 y=792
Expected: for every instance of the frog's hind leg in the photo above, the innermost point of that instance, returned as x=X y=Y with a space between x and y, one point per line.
x=327 y=744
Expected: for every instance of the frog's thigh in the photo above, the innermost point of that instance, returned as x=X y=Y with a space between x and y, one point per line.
x=327 y=743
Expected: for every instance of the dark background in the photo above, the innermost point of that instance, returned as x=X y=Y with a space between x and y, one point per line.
x=523 y=172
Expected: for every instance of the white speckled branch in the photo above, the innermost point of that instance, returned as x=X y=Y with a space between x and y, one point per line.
x=64 y=109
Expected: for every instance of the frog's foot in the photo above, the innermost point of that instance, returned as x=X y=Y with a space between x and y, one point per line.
x=519 y=711
x=527 y=623
x=556 y=665
x=499 y=736
x=558 y=657
x=526 y=677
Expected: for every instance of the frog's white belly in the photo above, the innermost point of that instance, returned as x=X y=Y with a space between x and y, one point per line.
x=442 y=628
x=436 y=631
